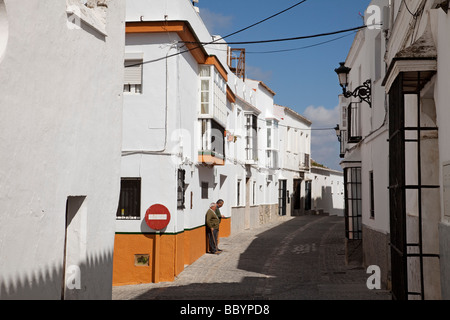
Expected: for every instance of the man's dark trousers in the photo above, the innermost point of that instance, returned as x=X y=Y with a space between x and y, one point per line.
x=212 y=235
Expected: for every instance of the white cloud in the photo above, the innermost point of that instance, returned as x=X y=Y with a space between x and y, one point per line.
x=257 y=73
x=215 y=22
x=322 y=117
x=324 y=143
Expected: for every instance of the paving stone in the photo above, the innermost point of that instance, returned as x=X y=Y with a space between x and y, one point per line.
x=296 y=258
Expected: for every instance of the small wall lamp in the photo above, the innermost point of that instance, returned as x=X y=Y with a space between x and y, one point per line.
x=338 y=132
x=364 y=92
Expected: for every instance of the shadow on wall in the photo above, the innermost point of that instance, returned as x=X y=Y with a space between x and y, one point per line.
x=327 y=203
x=91 y=280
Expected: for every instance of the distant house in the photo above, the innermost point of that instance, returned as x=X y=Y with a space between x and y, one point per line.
x=327 y=191
x=295 y=161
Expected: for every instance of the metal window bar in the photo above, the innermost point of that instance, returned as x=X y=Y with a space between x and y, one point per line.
x=397 y=189
x=352 y=197
x=130 y=199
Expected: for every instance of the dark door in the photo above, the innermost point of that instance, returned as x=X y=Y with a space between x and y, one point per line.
x=282 y=197
x=296 y=196
x=308 y=195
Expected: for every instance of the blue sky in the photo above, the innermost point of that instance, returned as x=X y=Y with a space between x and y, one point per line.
x=303 y=79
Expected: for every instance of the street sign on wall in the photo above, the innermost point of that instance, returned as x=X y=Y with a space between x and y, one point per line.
x=157 y=217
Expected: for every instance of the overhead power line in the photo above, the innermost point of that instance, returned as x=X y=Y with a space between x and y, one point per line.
x=261 y=21
x=283 y=39
x=229 y=35
x=201 y=44
x=292 y=49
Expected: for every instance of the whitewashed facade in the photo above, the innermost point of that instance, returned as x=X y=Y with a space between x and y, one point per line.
x=400 y=160
x=61 y=106
x=194 y=132
x=364 y=135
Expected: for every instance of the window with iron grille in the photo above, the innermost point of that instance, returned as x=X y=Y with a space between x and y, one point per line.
x=129 y=207
x=181 y=188
x=204 y=190
x=352 y=180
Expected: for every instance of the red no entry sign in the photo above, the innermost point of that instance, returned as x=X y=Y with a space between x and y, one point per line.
x=157 y=217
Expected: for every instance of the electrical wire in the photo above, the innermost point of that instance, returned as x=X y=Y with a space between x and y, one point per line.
x=261 y=21
x=299 y=48
x=283 y=39
x=202 y=44
x=299 y=128
x=229 y=35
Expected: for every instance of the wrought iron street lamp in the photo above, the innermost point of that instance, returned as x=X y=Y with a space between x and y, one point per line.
x=338 y=132
x=364 y=91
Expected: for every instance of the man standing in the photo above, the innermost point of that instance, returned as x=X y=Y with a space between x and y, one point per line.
x=212 y=227
x=219 y=205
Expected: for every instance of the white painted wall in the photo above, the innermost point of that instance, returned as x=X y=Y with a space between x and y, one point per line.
x=441 y=23
x=366 y=58
x=61 y=102
x=327 y=191
x=175 y=83
x=372 y=150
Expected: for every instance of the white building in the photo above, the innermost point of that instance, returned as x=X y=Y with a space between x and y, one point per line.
x=364 y=132
x=327 y=190
x=195 y=131
x=403 y=193
x=295 y=162
x=61 y=124
x=305 y=187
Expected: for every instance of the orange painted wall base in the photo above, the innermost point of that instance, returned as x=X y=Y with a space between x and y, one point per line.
x=167 y=253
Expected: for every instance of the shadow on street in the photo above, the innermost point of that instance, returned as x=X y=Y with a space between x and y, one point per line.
x=300 y=259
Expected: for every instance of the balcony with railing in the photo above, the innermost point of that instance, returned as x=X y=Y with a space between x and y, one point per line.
x=212 y=116
x=212 y=145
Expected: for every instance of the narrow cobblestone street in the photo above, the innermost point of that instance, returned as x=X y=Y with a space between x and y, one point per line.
x=298 y=258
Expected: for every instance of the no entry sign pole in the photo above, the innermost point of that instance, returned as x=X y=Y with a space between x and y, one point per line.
x=157 y=217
